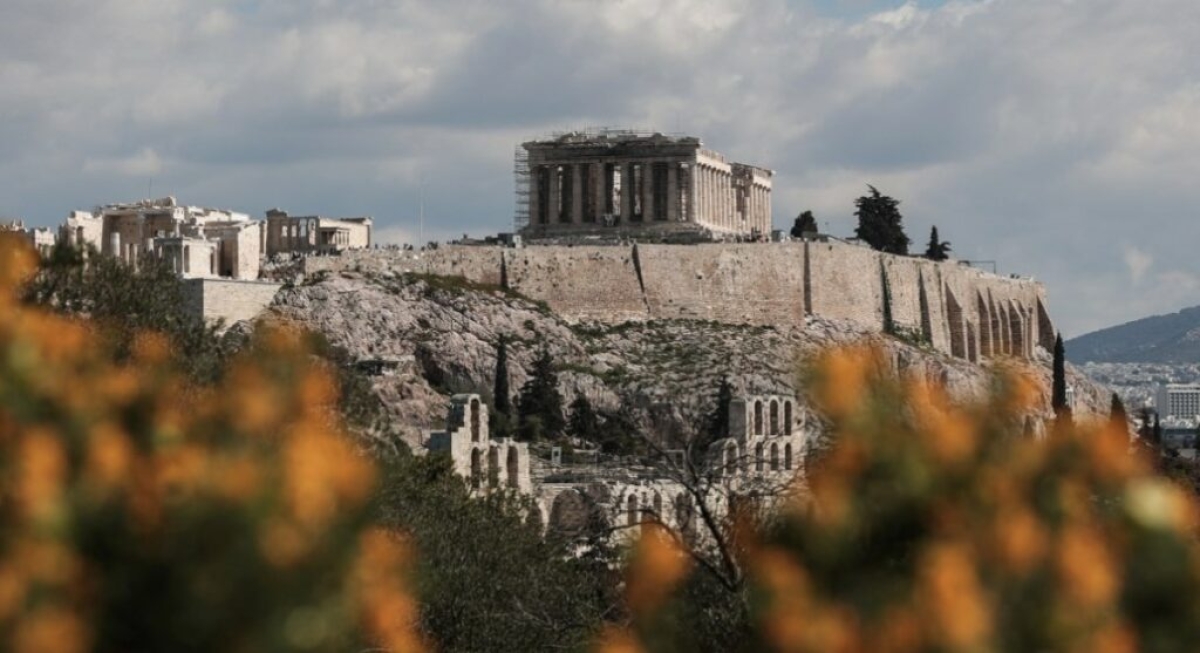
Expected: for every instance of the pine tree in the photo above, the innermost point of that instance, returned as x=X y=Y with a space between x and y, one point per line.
x=937 y=250
x=540 y=405
x=583 y=422
x=880 y=224
x=1058 y=392
x=501 y=416
x=805 y=223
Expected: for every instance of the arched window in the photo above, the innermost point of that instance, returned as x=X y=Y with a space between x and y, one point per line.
x=658 y=509
x=774 y=456
x=758 y=457
x=774 y=417
x=631 y=510
x=474 y=408
x=684 y=515
x=476 y=468
x=731 y=455
x=493 y=467
x=787 y=418
x=787 y=456
x=512 y=467
x=758 y=418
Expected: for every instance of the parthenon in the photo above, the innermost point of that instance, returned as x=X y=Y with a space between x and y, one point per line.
x=580 y=183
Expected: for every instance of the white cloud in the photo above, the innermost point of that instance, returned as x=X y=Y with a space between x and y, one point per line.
x=1138 y=262
x=1036 y=133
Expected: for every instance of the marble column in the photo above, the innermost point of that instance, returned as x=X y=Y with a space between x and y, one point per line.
x=577 y=194
x=599 y=188
x=706 y=196
x=626 y=192
x=673 y=191
x=552 y=215
x=647 y=191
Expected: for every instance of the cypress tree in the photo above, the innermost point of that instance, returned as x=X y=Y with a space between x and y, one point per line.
x=936 y=250
x=1117 y=414
x=501 y=415
x=805 y=223
x=1058 y=391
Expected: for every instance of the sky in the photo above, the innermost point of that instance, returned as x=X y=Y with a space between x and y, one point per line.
x=1059 y=138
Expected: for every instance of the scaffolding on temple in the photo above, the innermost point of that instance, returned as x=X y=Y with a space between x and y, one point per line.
x=522 y=186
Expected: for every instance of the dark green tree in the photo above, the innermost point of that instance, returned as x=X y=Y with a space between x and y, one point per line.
x=937 y=250
x=1058 y=390
x=879 y=222
x=583 y=421
x=488 y=580
x=805 y=223
x=1116 y=412
x=540 y=405
x=123 y=301
x=500 y=419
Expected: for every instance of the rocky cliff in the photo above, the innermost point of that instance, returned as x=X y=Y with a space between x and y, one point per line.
x=437 y=335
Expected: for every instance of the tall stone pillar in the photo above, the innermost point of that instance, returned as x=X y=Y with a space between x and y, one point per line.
x=705 y=214
x=577 y=194
x=535 y=195
x=673 y=191
x=647 y=191
x=599 y=188
x=626 y=192
x=691 y=214
x=552 y=215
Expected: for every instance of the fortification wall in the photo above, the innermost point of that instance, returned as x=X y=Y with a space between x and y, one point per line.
x=228 y=299
x=964 y=311
x=579 y=283
x=844 y=282
x=740 y=284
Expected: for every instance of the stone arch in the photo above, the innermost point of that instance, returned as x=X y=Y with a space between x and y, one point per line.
x=787 y=417
x=476 y=468
x=787 y=456
x=954 y=315
x=758 y=417
x=774 y=456
x=985 y=328
x=758 y=457
x=1005 y=343
x=573 y=514
x=632 y=518
x=685 y=516
x=774 y=417
x=513 y=467
x=1045 y=328
x=731 y=458
x=1017 y=329
x=494 y=467
x=474 y=410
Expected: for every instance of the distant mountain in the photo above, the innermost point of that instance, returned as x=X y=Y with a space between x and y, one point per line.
x=1173 y=338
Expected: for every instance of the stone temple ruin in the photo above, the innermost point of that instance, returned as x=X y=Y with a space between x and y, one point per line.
x=616 y=182
x=759 y=460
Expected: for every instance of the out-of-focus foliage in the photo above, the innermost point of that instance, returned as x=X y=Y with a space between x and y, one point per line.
x=241 y=522
x=120 y=302
x=486 y=577
x=935 y=527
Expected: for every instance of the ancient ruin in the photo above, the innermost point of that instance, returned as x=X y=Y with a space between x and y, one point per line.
x=760 y=459
x=611 y=183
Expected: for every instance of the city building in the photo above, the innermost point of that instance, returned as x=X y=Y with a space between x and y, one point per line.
x=1178 y=400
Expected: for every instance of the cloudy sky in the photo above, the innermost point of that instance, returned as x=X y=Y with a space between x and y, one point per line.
x=1060 y=138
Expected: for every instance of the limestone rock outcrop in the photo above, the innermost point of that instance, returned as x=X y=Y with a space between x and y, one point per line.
x=436 y=336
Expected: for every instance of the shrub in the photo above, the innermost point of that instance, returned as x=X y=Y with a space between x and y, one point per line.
x=238 y=519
